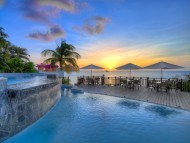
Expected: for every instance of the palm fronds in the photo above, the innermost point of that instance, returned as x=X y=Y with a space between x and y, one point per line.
x=65 y=55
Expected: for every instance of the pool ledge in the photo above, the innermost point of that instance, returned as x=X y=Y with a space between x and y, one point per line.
x=25 y=103
x=21 y=91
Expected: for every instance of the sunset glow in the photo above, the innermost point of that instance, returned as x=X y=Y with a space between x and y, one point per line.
x=140 y=32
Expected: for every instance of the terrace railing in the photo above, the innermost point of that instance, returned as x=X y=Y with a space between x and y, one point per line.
x=185 y=86
x=181 y=84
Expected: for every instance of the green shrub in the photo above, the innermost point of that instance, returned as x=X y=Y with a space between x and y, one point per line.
x=16 y=65
x=29 y=67
x=65 y=81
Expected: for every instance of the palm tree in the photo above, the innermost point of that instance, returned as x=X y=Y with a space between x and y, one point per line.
x=65 y=55
x=3 y=36
x=3 y=49
x=18 y=52
x=3 y=43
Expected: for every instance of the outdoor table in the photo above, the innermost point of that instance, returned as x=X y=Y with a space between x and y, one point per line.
x=130 y=82
x=158 y=85
x=123 y=82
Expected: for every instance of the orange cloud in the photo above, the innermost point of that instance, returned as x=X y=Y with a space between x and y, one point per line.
x=110 y=54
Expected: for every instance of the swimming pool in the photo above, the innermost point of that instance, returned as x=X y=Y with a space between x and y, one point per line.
x=92 y=118
x=22 y=79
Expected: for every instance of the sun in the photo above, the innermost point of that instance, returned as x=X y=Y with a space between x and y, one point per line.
x=109 y=63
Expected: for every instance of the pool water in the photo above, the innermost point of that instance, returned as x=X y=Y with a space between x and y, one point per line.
x=91 y=118
x=16 y=80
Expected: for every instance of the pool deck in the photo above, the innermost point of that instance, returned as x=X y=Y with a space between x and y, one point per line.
x=173 y=98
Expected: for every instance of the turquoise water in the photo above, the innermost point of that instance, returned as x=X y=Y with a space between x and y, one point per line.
x=16 y=80
x=90 y=118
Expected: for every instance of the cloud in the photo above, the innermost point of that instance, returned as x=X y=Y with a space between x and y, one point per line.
x=65 y=5
x=53 y=33
x=93 y=25
x=34 y=11
x=44 y=10
x=2 y=2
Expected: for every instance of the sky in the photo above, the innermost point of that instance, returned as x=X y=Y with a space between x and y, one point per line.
x=107 y=33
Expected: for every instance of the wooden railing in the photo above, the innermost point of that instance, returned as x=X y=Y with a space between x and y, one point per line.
x=183 y=85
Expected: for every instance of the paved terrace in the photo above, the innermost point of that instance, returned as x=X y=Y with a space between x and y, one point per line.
x=173 y=98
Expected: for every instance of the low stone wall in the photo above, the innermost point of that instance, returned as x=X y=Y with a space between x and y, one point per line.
x=21 y=107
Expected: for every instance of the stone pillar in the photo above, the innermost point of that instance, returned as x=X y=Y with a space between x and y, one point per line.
x=3 y=109
x=3 y=87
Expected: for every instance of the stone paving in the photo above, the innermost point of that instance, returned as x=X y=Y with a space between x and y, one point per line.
x=172 y=98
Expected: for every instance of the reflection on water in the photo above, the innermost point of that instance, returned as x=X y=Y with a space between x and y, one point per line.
x=162 y=111
x=129 y=104
x=91 y=98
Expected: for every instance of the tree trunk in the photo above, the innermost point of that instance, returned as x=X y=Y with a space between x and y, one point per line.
x=61 y=68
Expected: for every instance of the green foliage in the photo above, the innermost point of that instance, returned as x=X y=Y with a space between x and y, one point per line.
x=18 y=52
x=13 y=58
x=65 y=55
x=29 y=67
x=16 y=65
x=66 y=81
x=3 y=36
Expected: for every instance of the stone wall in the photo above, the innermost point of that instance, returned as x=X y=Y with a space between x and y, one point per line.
x=20 y=108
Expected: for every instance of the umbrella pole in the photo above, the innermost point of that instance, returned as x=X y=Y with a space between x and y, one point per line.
x=130 y=73
x=161 y=74
x=91 y=72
